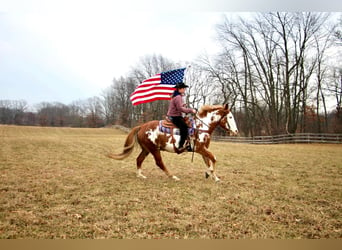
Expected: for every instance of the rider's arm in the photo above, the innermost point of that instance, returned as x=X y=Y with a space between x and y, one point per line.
x=179 y=105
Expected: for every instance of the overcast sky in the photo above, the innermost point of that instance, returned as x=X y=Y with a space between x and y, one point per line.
x=68 y=50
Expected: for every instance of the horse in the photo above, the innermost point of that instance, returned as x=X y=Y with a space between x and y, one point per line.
x=153 y=140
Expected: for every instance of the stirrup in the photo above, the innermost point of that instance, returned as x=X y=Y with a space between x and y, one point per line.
x=185 y=148
x=180 y=150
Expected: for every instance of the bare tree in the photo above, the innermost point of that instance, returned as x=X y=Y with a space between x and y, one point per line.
x=109 y=104
x=323 y=42
x=53 y=114
x=200 y=89
x=123 y=108
x=267 y=63
x=77 y=113
x=12 y=111
x=94 y=111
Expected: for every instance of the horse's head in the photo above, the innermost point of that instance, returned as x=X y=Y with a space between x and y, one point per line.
x=211 y=116
x=228 y=122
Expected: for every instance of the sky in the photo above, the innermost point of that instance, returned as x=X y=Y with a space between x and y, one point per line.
x=69 y=50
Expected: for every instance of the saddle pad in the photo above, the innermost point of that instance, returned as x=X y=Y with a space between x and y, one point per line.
x=167 y=130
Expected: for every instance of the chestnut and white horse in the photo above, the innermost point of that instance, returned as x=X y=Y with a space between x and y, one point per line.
x=152 y=140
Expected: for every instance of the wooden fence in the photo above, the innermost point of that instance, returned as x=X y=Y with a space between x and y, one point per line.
x=288 y=138
x=276 y=139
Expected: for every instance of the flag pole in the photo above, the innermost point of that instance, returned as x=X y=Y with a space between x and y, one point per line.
x=194 y=145
x=187 y=73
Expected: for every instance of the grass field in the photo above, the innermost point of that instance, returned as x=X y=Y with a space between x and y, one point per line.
x=57 y=183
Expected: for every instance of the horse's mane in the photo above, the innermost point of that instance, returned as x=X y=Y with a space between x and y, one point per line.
x=208 y=108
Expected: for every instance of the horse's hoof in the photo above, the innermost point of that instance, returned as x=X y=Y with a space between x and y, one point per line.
x=141 y=176
x=175 y=178
x=207 y=175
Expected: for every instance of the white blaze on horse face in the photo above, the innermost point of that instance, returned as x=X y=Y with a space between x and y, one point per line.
x=231 y=124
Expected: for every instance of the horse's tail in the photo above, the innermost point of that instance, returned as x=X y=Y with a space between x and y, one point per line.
x=129 y=145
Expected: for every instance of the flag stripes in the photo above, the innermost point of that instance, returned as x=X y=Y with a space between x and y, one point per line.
x=158 y=87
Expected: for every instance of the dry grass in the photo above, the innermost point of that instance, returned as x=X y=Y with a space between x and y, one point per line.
x=57 y=183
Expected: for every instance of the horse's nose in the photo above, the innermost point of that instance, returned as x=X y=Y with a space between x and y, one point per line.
x=235 y=133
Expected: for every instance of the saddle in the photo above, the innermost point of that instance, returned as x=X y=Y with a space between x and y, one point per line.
x=166 y=126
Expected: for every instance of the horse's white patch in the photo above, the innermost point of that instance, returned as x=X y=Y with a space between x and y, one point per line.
x=169 y=145
x=175 y=178
x=211 y=168
x=216 y=117
x=152 y=135
x=209 y=119
x=202 y=137
x=140 y=175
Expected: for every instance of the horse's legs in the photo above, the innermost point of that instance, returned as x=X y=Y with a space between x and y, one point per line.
x=157 y=157
x=210 y=161
x=207 y=162
x=140 y=160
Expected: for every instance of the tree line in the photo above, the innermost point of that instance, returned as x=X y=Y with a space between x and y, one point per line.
x=276 y=70
x=82 y=113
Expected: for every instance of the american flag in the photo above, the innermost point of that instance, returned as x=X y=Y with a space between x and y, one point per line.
x=158 y=87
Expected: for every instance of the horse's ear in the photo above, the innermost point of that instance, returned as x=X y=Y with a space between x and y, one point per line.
x=225 y=106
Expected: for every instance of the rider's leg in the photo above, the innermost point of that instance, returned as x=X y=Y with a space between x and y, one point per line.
x=183 y=129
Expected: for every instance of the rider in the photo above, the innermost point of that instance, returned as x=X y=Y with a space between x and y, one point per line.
x=176 y=108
